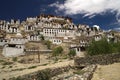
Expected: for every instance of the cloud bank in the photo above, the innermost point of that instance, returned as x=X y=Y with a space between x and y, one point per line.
x=88 y=7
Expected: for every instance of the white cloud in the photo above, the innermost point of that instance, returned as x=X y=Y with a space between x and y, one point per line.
x=117 y=29
x=88 y=7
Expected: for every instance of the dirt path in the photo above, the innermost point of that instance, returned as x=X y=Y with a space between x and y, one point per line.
x=8 y=74
x=107 y=72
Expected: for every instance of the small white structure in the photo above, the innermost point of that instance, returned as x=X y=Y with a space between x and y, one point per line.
x=3 y=41
x=15 y=47
x=56 y=41
x=97 y=37
x=79 y=50
x=33 y=37
x=29 y=28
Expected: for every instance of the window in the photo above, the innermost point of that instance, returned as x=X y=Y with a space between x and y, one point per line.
x=1 y=40
x=5 y=40
x=77 y=49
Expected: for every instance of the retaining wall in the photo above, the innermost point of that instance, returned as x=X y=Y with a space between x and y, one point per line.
x=99 y=59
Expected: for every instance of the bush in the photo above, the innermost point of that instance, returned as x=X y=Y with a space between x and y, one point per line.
x=57 y=51
x=100 y=47
x=42 y=37
x=32 y=67
x=10 y=66
x=44 y=75
x=116 y=47
x=72 y=53
x=14 y=59
x=7 y=63
x=48 y=43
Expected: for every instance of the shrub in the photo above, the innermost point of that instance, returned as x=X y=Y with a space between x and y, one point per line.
x=7 y=63
x=99 y=47
x=31 y=67
x=2 y=61
x=42 y=37
x=72 y=53
x=57 y=51
x=48 y=43
x=14 y=59
x=44 y=75
x=10 y=66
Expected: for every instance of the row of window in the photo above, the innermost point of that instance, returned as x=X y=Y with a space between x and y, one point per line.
x=14 y=39
x=51 y=30
x=3 y=40
x=57 y=40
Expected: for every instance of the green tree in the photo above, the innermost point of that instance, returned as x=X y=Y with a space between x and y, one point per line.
x=14 y=58
x=48 y=43
x=72 y=53
x=116 y=47
x=100 y=47
x=57 y=51
x=42 y=37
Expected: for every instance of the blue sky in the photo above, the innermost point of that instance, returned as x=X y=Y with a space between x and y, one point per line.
x=105 y=13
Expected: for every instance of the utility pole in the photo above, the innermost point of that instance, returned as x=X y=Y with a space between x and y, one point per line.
x=39 y=56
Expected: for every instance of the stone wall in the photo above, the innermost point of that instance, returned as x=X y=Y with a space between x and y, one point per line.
x=45 y=74
x=87 y=75
x=99 y=59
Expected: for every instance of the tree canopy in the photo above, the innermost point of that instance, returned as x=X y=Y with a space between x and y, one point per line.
x=100 y=47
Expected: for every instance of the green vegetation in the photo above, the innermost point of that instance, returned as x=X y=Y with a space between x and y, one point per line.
x=31 y=67
x=103 y=47
x=2 y=61
x=18 y=78
x=44 y=75
x=20 y=69
x=42 y=37
x=14 y=59
x=44 y=64
x=7 y=63
x=57 y=51
x=48 y=43
x=72 y=53
x=79 y=72
x=3 y=67
x=10 y=66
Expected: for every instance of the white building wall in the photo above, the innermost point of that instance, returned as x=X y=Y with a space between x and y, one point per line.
x=97 y=38
x=58 y=32
x=3 y=42
x=56 y=41
x=10 y=52
x=17 y=41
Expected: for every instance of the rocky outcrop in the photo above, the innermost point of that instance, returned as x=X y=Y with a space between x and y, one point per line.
x=87 y=75
x=84 y=74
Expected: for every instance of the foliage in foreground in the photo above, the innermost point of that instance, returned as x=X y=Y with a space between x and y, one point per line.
x=103 y=47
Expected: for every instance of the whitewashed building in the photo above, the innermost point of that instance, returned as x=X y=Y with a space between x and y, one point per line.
x=15 y=46
x=3 y=41
x=58 y=35
x=33 y=37
x=97 y=37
